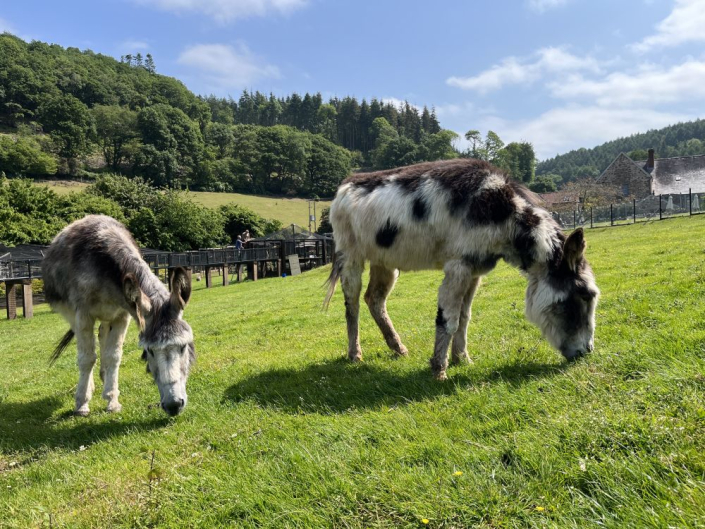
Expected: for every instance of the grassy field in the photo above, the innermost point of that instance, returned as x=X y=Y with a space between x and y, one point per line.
x=287 y=210
x=281 y=431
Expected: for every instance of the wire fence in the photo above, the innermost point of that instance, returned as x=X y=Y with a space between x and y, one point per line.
x=654 y=207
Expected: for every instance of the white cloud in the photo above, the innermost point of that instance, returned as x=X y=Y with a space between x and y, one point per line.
x=227 y=10
x=227 y=67
x=134 y=45
x=651 y=85
x=511 y=70
x=6 y=27
x=544 y=5
x=684 y=24
x=562 y=129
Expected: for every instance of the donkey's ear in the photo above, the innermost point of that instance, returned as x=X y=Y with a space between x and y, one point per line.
x=574 y=248
x=136 y=298
x=180 y=288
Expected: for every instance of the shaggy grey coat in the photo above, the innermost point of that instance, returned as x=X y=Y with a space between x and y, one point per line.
x=93 y=270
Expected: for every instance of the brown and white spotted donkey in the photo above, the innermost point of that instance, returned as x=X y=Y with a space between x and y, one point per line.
x=462 y=216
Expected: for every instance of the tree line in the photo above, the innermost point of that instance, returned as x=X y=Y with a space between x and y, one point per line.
x=80 y=113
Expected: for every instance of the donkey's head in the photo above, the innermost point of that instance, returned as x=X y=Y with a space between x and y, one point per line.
x=561 y=299
x=167 y=340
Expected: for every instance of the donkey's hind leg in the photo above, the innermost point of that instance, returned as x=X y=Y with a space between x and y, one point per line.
x=381 y=284
x=110 y=357
x=351 y=280
x=85 y=341
x=459 y=349
x=456 y=284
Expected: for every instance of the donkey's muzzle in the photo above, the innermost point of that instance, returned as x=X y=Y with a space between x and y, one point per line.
x=173 y=408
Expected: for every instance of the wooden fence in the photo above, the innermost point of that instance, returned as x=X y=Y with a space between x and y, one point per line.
x=260 y=259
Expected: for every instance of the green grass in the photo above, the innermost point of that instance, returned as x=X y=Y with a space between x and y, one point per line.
x=281 y=431
x=287 y=210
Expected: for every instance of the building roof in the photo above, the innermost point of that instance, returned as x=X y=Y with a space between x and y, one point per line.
x=559 y=197
x=671 y=175
x=678 y=175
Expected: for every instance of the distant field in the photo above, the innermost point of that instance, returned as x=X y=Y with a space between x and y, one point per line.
x=287 y=210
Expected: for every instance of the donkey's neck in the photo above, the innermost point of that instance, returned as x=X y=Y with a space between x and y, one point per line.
x=536 y=242
x=148 y=282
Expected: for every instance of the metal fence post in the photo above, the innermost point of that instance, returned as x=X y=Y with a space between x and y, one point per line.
x=634 y=213
x=660 y=216
x=611 y=216
x=591 y=217
x=690 y=201
x=574 y=222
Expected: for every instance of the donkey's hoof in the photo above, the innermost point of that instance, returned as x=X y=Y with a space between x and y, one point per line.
x=441 y=376
x=82 y=412
x=461 y=359
x=114 y=407
x=355 y=358
x=401 y=352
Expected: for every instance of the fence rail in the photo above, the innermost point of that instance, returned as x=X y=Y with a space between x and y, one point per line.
x=655 y=207
x=315 y=252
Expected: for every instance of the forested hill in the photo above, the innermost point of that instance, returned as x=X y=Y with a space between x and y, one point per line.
x=69 y=111
x=682 y=139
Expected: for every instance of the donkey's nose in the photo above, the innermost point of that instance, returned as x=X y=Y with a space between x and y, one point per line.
x=174 y=407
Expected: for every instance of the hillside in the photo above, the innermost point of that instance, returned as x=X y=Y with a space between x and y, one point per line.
x=66 y=111
x=281 y=431
x=682 y=139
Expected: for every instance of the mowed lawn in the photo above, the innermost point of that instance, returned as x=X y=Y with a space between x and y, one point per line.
x=281 y=431
x=287 y=210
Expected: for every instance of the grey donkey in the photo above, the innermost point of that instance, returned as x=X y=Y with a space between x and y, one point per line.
x=93 y=270
x=461 y=216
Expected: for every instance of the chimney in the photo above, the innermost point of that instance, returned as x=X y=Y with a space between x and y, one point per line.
x=650 y=162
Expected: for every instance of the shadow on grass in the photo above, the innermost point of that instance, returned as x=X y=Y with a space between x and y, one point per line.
x=338 y=386
x=27 y=426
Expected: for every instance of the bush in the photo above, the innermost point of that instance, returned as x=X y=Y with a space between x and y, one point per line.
x=131 y=194
x=237 y=219
x=176 y=224
x=28 y=213
x=75 y=206
x=24 y=156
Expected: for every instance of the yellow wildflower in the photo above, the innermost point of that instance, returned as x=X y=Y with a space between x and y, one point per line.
x=457 y=473
x=540 y=509
x=424 y=521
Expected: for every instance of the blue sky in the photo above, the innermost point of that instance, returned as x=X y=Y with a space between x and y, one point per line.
x=559 y=73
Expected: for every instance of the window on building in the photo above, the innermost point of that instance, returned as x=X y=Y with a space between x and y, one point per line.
x=625 y=190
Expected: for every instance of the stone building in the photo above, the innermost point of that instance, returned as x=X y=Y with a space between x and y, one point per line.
x=655 y=176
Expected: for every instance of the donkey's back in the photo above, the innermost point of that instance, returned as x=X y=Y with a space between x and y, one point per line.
x=85 y=265
x=421 y=216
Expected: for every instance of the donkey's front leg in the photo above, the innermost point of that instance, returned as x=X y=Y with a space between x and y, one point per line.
x=85 y=341
x=110 y=356
x=459 y=348
x=450 y=300
x=351 y=281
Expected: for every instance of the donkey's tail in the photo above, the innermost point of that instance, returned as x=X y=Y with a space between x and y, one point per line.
x=332 y=281
x=63 y=344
